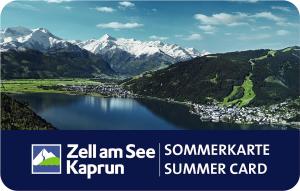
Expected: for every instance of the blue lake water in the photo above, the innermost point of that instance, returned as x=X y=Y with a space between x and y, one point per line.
x=80 y=112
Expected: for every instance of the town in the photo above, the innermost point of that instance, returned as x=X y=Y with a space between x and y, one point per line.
x=103 y=89
x=284 y=113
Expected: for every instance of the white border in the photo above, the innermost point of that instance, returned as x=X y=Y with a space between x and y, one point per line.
x=47 y=145
x=3 y=3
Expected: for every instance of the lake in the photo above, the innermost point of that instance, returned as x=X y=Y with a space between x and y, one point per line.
x=83 y=112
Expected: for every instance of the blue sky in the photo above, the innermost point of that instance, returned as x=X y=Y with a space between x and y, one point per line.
x=212 y=26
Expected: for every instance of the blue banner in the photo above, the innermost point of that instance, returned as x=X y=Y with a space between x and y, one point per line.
x=135 y=160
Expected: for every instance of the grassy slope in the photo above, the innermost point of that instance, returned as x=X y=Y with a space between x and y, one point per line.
x=32 y=85
x=247 y=96
x=53 y=161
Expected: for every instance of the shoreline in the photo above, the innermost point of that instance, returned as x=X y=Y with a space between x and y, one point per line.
x=207 y=113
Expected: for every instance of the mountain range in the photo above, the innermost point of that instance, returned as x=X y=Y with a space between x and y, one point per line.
x=154 y=68
x=130 y=56
x=109 y=55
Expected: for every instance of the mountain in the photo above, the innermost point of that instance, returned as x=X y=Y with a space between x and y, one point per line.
x=17 y=116
x=43 y=155
x=20 y=38
x=45 y=158
x=123 y=56
x=37 y=53
x=254 y=77
x=130 y=56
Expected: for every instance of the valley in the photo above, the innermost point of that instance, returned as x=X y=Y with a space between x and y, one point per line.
x=243 y=87
x=285 y=113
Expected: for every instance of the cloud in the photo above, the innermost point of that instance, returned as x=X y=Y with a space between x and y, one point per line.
x=68 y=8
x=282 y=32
x=105 y=9
x=251 y=1
x=264 y=27
x=126 y=4
x=268 y=15
x=220 y=18
x=57 y=1
x=194 y=36
x=178 y=35
x=236 y=19
x=118 y=25
x=287 y=24
x=154 y=37
x=209 y=32
x=21 y=5
x=234 y=24
x=247 y=37
x=206 y=28
x=281 y=8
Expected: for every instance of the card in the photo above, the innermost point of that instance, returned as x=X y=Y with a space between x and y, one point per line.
x=150 y=95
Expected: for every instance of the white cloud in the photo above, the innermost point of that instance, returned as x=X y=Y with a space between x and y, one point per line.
x=105 y=9
x=68 y=8
x=154 y=37
x=268 y=15
x=287 y=24
x=209 y=32
x=236 y=19
x=247 y=37
x=264 y=27
x=220 y=18
x=238 y=24
x=207 y=28
x=178 y=35
x=281 y=8
x=126 y=4
x=57 y=1
x=194 y=36
x=282 y=32
x=118 y=25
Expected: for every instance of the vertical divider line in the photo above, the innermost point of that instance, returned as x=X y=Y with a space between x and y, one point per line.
x=158 y=159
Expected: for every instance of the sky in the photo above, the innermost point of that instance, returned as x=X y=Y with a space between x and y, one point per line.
x=214 y=26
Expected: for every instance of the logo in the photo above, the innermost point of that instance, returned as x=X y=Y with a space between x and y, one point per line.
x=46 y=159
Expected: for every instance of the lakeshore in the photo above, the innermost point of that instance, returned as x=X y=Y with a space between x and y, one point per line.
x=285 y=113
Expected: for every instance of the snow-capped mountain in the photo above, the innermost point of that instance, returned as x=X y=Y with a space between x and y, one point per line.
x=130 y=55
x=12 y=33
x=43 y=155
x=137 y=48
x=125 y=56
x=20 y=38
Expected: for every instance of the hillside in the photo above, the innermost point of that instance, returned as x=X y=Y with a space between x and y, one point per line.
x=17 y=116
x=36 y=64
x=277 y=75
x=254 y=77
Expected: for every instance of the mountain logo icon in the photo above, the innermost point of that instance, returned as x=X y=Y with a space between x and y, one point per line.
x=46 y=159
